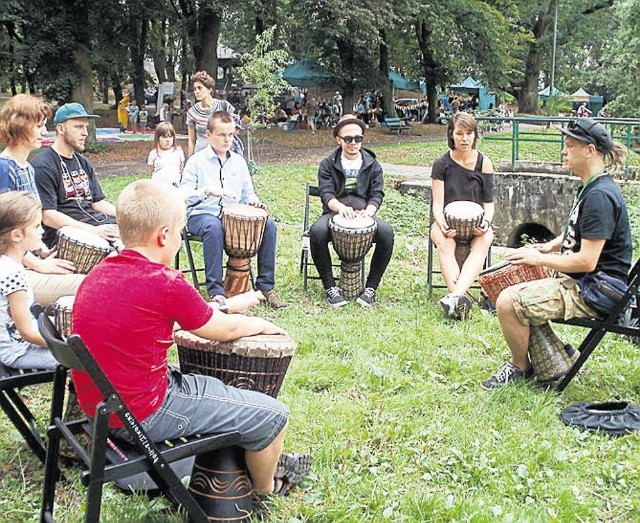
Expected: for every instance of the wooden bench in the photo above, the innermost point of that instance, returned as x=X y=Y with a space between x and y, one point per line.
x=396 y=125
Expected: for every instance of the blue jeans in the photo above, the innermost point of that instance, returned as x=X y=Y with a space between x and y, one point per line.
x=210 y=228
x=197 y=404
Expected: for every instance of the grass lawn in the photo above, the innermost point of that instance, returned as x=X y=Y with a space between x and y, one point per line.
x=388 y=402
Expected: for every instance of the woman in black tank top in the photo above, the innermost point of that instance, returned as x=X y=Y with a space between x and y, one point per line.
x=462 y=174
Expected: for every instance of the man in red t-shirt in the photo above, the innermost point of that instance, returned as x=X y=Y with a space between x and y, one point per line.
x=130 y=337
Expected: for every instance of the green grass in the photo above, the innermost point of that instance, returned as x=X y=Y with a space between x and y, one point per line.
x=387 y=400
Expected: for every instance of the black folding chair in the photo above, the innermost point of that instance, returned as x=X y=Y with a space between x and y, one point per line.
x=110 y=459
x=312 y=191
x=430 y=261
x=14 y=406
x=598 y=327
x=193 y=269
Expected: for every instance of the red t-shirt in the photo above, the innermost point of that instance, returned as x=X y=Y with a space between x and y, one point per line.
x=125 y=311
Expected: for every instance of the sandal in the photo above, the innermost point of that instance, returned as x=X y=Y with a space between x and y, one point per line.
x=290 y=471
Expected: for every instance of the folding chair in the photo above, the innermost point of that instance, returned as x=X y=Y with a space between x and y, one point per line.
x=193 y=270
x=600 y=326
x=14 y=406
x=110 y=459
x=187 y=238
x=430 y=261
x=305 y=241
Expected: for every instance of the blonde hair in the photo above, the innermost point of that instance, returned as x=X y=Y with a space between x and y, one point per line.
x=218 y=116
x=144 y=206
x=616 y=157
x=17 y=210
x=19 y=115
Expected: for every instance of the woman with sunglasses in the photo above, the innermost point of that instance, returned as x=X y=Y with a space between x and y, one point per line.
x=592 y=256
x=350 y=183
x=462 y=174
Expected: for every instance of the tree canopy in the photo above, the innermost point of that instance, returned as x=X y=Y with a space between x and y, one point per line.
x=71 y=48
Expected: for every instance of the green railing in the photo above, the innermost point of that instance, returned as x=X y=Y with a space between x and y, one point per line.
x=624 y=130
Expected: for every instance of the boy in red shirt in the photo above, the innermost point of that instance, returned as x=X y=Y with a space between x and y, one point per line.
x=131 y=336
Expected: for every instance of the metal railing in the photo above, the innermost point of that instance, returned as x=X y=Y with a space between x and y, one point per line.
x=624 y=130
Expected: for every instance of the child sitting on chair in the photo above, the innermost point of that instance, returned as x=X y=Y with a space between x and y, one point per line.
x=130 y=339
x=21 y=345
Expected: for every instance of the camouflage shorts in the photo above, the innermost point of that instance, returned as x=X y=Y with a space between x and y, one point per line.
x=536 y=302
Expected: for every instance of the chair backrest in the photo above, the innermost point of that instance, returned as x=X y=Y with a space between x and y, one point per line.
x=310 y=190
x=58 y=347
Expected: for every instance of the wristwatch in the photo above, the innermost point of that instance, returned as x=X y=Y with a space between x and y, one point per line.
x=222 y=302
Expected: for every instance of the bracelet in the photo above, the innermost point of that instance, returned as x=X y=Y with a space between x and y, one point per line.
x=223 y=306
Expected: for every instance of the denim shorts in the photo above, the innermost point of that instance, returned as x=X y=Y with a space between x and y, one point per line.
x=196 y=404
x=538 y=301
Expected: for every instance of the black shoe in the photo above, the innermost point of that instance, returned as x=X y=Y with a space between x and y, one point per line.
x=335 y=297
x=367 y=297
x=507 y=373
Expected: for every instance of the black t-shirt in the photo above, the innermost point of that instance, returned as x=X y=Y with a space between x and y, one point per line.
x=602 y=214
x=68 y=185
x=461 y=184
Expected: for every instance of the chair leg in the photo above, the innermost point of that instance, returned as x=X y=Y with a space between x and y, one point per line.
x=589 y=344
x=430 y=267
x=304 y=265
x=192 y=265
x=23 y=420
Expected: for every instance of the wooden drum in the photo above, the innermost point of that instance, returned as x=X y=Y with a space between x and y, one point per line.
x=550 y=357
x=498 y=277
x=219 y=481
x=81 y=247
x=464 y=217
x=61 y=311
x=243 y=227
x=352 y=239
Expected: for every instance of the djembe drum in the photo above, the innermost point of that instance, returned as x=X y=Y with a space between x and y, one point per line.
x=219 y=481
x=352 y=239
x=550 y=357
x=243 y=227
x=61 y=311
x=498 y=277
x=464 y=217
x=81 y=247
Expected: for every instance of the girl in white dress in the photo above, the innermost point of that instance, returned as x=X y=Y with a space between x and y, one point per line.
x=166 y=159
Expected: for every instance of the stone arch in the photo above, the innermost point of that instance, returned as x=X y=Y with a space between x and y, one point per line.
x=532 y=231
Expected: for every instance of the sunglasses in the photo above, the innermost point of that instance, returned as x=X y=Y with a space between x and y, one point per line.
x=349 y=139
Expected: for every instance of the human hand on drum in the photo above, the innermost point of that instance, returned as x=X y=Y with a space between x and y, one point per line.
x=109 y=232
x=243 y=301
x=258 y=204
x=528 y=255
x=53 y=265
x=482 y=229
x=218 y=192
x=271 y=328
x=447 y=231
x=347 y=212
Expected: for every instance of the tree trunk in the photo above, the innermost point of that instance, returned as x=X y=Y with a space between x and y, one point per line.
x=387 y=85
x=345 y=50
x=528 y=95
x=423 y=34
x=83 y=91
x=116 y=86
x=158 y=52
x=209 y=22
x=138 y=24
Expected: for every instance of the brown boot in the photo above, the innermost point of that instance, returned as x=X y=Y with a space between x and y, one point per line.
x=272 y=300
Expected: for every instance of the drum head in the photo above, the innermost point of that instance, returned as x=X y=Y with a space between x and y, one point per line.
x=242 y=210
x=85 y=237
x=463 y=210
x=359 y=222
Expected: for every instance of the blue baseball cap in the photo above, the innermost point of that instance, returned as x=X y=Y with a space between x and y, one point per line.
x=71 y=110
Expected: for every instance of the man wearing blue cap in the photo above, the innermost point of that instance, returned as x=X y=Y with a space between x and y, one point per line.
x=66 y=181
x=595 y=252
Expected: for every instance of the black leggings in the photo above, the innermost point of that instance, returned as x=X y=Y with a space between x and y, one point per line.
x=320 y=237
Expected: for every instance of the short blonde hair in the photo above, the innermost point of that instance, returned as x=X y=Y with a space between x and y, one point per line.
x=144 y=206
x=19 y=115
